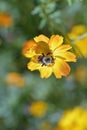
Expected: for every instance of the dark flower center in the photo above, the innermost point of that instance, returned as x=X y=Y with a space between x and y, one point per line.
x=45 y=60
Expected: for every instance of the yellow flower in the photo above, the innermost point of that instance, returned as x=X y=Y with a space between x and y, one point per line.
x=75 y=119
x=45 y=126
x=15 y=79
x=49 y=55
x=81 y=74
x=5 y=20
x=38 y=108
x=79 y=36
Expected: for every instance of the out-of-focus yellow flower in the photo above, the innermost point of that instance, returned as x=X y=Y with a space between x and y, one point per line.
x=81 y=74
x=75 y=119
x=5 y=20
x=45 y=126
x=49 y=55
x=79 y=36
x=15 y=79
x=38 y=108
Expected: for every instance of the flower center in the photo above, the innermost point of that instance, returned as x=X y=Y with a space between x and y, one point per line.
x=46 y=60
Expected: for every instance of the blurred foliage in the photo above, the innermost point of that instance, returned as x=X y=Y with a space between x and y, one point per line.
x=31 y=18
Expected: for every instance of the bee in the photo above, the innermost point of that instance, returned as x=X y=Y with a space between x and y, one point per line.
x=46 y=59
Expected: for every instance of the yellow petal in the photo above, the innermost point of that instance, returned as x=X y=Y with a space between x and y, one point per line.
x=61 y=68
x=55 y=41
x=41 y=38
x=56 y=70
x=61 y=49
x=45 y=71
x=64 y=67
x=29 y=48
x=67 y=56
x=33 y=65
x=64 y=48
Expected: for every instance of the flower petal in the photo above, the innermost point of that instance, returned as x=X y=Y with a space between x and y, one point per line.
x=56 y=70
x=33 y=64
x=41 y=38
x=55 y=41
x=69 y=57
x=61 y=49
x=61 y=68
x=45 y=71
x=29 y=48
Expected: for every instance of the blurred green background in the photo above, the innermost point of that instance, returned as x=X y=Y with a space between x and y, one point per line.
x=29 y=19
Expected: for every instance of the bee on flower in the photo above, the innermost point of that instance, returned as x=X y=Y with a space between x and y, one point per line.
x=48 y=55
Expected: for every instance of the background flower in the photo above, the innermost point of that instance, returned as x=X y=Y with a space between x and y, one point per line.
x=6 y=20
x=38 y=108
x=15 y=79
x=73 y=119
x=79 y=36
